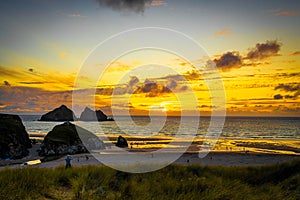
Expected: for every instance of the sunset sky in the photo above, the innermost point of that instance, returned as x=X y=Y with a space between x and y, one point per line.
x=254 y=44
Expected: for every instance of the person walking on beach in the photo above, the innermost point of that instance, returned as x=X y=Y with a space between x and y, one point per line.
x=68 y=161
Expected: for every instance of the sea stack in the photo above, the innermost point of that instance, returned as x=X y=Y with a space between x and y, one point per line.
x=90 y=115
x=63 y=113
x=68 y=138
x=122 y=142
x=14 y=140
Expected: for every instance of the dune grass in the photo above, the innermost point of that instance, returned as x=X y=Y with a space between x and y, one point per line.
x=280 y=181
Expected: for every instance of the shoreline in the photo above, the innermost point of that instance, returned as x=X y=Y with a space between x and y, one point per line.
x=226 y=152
x=265 y=145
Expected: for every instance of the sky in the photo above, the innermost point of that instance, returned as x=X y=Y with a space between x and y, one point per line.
x=102 y=50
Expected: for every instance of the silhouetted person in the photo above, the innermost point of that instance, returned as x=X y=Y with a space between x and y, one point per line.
x=68 y=161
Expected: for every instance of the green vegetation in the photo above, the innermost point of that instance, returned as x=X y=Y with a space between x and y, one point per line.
x=281 y=181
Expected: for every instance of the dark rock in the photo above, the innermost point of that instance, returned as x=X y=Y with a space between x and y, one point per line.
x=90 y=115
x=122 y=142
x=14 y=140
x=63 y=113
x=67 y=138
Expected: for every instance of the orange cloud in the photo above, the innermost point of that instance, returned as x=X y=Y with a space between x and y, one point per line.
x=288 y=13
x=224 y=32
x=157 y=3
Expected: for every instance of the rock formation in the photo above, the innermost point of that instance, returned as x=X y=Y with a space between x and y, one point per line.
x=122 y=142
x=14 y=140
x=90 y=115
x=67 y=138
x=63 y=113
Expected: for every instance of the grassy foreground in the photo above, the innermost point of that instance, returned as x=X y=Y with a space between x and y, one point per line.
x=281 y=181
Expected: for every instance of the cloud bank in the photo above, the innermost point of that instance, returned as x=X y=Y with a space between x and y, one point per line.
x=290 y=87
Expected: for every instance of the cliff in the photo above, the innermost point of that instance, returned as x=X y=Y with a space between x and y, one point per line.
x=14 y=140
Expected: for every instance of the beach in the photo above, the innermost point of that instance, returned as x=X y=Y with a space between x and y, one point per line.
x=212 y=159
x=226 y=152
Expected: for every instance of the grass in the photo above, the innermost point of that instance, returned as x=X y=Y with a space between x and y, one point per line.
x=280 y=181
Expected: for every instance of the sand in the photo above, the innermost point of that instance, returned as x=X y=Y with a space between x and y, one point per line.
x=233 y=152
x=212 y=159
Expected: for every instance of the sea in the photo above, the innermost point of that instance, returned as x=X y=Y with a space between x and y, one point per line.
x=234 y=127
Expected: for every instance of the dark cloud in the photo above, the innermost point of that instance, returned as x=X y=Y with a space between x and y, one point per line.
x=131 y=86
x=172 y=84
x=288 y=75
x=296 y=53
x=184 y=88
x=108 y=91
x=291 y=87
x=255 y=64
x=229 y=60
x=104 y=91
x=134 y=6
x=193 y=75
x=133 y=80
x=278 y=96
x=289 y=97
x=152 y=89
x=6 y=83
x=176 y=77
x=264 y=50
x=233 y=59
x=31 y=82
x=286 y=109
x=288 y=87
